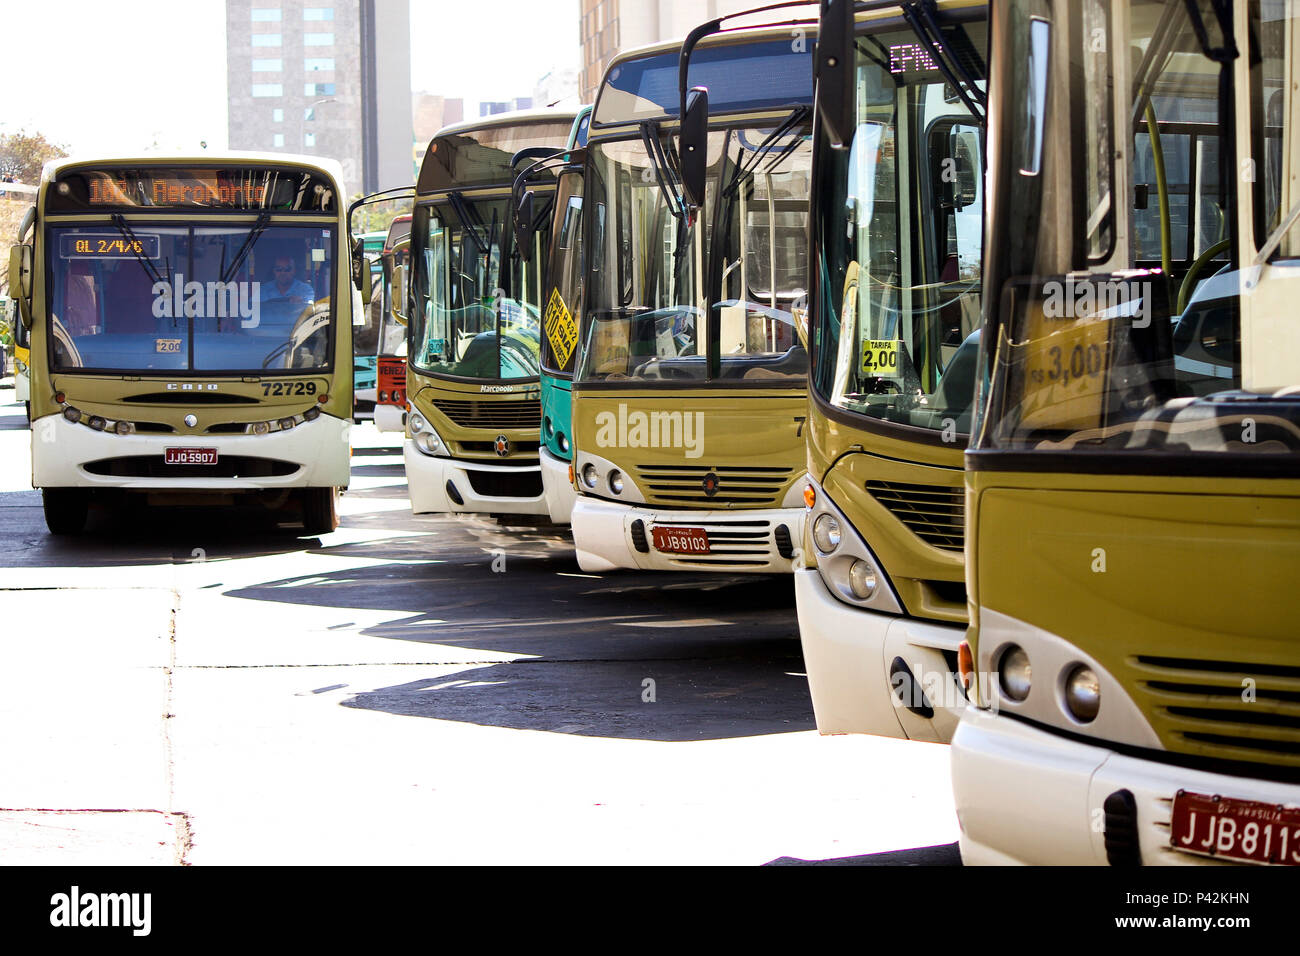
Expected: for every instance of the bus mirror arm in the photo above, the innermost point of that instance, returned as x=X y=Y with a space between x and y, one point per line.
x=833 y=71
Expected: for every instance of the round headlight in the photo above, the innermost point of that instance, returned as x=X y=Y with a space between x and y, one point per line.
x=590 y=477
x=826 y=533
x=97 y=423
x=383 y=395
x=549 y=426
x=564 y=442
x=72 y=414
x=1014 y=672
x=286 y=423
x=259 y=428
x=862 y=580
x=616 y=481
x=417 y=423
x=1083 y=693
x=124 y=428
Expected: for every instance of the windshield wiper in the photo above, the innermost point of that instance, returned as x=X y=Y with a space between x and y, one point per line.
x=249 y=241
x=136 y=246
x=660 y=163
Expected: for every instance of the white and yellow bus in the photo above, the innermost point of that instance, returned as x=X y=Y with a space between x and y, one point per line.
x=1133 y=481
x=689 y=395
x=190 y=333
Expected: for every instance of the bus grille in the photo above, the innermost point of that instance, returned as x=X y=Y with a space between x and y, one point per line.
x=737 y=486
x=498 y=484
x=227 y=466
x=1226 y=709
x=934 y=513
x=503 y=414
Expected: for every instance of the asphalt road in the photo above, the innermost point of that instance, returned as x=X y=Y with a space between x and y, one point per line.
x=188 y=686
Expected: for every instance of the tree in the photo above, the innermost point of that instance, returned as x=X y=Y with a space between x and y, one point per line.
x=377 y=216
x=22 y=155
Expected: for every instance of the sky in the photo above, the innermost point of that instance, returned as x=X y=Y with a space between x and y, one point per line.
x=153 y=72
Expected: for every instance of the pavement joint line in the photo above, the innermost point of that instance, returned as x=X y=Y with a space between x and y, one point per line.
x=184 y=833
x=521 y=660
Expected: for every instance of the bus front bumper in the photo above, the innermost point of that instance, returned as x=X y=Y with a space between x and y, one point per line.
x=72 y=455
x=559 y=491
x=1029 y=796
x=430 y=479
x=390 y=418
x=608 y=536
x=857 y=684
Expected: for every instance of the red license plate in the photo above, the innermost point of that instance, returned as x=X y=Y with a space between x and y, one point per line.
x=680 y=540
x=1229 y=829
x=190 y=456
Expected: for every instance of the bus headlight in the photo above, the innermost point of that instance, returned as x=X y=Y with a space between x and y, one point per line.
x=1083 y=693
x=564 y=442
x=826 y=533
x=549 y=426
x=124 y=428
x=1014 y=672
x=616 y=481
x=259 y=428
x=426 y=439
x=862 y=580
x=590 y=477
x=72 y=414
x=97 y=423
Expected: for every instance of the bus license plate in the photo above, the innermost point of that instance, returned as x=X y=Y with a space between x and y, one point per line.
x=1229 y=829
x=190 y=456
x=681 y=540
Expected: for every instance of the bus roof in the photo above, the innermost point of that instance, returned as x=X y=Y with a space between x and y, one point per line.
x=513 y=118
x=477 y=154
x=641 y=84
x=330 y=166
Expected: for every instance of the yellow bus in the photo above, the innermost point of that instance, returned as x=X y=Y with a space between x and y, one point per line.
x=689 y=395
x=474 y=320
x=895 y=313
x=1133 y=481
x=190 y=334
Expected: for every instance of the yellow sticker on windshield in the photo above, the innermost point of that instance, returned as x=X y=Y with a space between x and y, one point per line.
x=880 y=358
x=561 y=329
x=167 y=345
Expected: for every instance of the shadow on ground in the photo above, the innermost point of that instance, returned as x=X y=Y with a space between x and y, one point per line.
x=946 y=855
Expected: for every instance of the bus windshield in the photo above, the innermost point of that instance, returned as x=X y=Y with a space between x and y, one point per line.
x=1148 y=358
x=652 y=273
x=147 y=296
x=475 y=305
x=901 y=231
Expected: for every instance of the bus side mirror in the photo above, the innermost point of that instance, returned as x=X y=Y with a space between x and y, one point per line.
x=524 y=221
x=361 y=273
x=833 y=71
x=966 y=157
x=20 y=279
x=694 y=141
x=399 y=292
